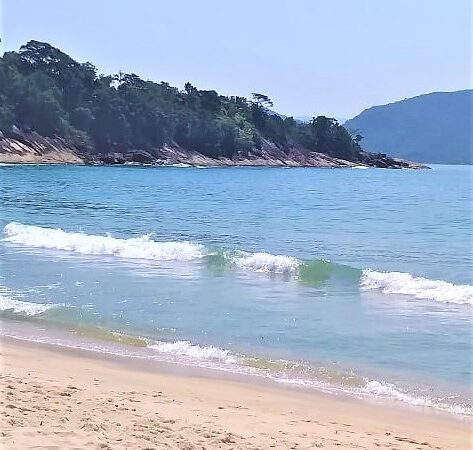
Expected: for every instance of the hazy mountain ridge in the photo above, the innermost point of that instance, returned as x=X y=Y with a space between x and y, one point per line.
x=430 y=128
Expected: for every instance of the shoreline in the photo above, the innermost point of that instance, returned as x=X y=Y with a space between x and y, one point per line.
x=184 y=165
x=207 y=165
x=191 y=407
x=31 y=147
x=366 y=387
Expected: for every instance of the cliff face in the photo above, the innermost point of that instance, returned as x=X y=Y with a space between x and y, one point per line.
x=33 y=148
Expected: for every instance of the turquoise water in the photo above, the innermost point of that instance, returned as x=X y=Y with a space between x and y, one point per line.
x=345 y=280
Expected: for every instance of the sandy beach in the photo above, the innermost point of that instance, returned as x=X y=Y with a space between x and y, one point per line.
x=56 y=398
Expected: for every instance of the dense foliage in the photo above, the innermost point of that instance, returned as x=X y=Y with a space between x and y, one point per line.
x=44 y=90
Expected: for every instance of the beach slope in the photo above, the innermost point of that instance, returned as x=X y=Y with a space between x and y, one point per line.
x=58 y=398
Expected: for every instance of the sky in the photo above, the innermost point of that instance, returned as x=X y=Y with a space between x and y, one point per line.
x=310 y=57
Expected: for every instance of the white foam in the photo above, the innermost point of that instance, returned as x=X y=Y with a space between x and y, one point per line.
x=422 y=288
x=186 y=348
x=134 y=248
x=179 y=165
x=137 y=248
x=265 y=262
x=389 y=391
x=20 y=306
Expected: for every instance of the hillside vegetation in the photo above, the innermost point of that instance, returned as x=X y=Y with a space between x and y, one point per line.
x=43 y=90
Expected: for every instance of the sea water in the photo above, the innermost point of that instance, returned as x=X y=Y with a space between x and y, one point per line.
x=353 y=281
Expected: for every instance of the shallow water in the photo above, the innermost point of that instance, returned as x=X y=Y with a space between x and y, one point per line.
x=357 y=280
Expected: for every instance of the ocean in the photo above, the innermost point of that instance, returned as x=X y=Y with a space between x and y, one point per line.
x=350 y=281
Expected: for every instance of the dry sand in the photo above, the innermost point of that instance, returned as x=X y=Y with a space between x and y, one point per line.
x=56 y=398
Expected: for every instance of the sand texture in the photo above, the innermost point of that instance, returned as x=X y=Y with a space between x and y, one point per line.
x=60 y=399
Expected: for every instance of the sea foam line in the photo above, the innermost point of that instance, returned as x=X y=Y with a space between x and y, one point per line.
x=145 y=248
x=217 y=358
x=23 y=307
x=194 y=351
x=142 y=247
x=266 y=262
x=133 y=248
x=418 y=287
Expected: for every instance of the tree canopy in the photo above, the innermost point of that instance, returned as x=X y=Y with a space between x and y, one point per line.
x=43 y=89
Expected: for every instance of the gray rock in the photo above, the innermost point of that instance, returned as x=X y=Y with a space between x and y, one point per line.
x=140 y=156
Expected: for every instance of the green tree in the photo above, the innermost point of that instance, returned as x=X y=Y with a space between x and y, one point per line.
x=262 y=100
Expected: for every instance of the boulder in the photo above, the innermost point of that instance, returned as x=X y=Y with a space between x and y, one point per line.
x=140 y=156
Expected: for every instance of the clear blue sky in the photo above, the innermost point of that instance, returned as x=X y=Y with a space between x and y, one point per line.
x=333 y=57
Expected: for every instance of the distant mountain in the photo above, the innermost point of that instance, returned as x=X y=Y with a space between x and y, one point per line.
x=430 y=128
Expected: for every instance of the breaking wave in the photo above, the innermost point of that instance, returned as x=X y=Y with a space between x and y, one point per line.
x=382 y=390
x=418 y=287
x=311 y=272
x=8 y=304
x=133 y=248
x=265 y=262
x=187 y=349
x=145 y=248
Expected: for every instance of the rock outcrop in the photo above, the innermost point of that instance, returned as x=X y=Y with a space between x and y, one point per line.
x=30 y=147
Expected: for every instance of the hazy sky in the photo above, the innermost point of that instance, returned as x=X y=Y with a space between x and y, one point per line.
x=333 y=57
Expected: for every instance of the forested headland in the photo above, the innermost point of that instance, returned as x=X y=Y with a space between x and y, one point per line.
x=45 y=91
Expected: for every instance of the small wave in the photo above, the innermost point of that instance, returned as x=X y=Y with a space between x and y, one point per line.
x=311 y=272
x=422 y=288
x=133 y=248
x=383 y=390
x=297 y=373
x=186 y=348
x=305 y=271
x=8 y=304
x=145 y=248
x=96 y=332
x=388 y=390
x=265 y=262
x=182 y=165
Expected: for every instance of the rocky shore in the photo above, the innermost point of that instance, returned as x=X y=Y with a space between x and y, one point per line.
x=32 y=148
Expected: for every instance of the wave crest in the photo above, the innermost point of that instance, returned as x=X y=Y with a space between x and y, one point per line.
x=186 y=348
x=133 y=248
x=21 y=307
x=265 y=262
x=422 y=288
x=313 y=272
x=390 y=391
